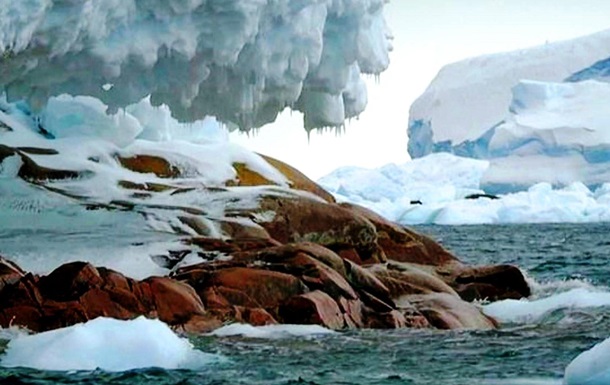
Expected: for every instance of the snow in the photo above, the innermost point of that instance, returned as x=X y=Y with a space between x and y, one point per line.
x=433 y=189
x=591 y=367
x=241 y=61
x=271 y=331
x=106 y=344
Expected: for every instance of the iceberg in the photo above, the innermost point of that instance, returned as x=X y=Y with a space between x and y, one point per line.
x=106 y=344
x=590 y=367
x=482 y=87
x=542 y=109
x=240 y=61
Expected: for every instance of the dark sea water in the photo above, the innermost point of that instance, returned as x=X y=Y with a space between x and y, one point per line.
x=556 y=257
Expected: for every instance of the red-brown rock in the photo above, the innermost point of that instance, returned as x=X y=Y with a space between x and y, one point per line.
x=389 y=320
x=99 y=303
x=315 y=307
x=363 y=279
x=299 y=219
x=70 y=281
x=352 y=312
x=268 y=288
x=175 y=302
x=150 y=164
x=445 y=311
x=403 y=279
x=401 y=244
x=317 y=275
x=256 y=316
x=281 y=253
x=10 y=273
x=491 y=283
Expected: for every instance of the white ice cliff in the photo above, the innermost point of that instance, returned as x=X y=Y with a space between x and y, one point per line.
x=538 y=115
x=242 y=61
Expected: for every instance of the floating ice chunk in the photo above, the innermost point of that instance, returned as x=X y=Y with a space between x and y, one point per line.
x=271 y=331
x=107 y=344
x=12 y=332
x=591 y=367
x=435 y=188
x=511 y=310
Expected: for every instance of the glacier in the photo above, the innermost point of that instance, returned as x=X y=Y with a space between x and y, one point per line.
x=241 y=62
x=541 y=109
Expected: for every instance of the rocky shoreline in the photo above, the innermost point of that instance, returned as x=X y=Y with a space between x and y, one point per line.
x=364 y=272
x=273 y=254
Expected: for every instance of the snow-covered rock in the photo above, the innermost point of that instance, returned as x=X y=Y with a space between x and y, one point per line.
x=239 y=60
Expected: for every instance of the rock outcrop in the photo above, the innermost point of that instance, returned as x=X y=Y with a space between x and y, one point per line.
x=288 y=255
x=390 y=278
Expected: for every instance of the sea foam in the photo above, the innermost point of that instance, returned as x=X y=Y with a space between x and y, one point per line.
x=525 y=311
x=271 y=331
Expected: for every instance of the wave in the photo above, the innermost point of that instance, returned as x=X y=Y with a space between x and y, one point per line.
x=271 y=331
x=547 y=299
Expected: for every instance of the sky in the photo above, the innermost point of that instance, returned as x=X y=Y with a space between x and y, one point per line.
x=427 y=35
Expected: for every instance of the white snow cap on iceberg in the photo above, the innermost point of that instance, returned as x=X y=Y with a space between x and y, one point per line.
x=242 y=61
x=106 y=344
